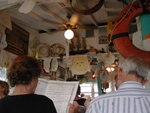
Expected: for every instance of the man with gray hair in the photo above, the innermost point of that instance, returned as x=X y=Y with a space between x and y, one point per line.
x=131 y=96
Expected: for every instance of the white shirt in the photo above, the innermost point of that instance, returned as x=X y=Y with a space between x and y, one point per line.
x=131 y=97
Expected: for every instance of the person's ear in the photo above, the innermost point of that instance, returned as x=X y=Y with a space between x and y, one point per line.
x=3 y=89
x=119 y=72
x=145 y=81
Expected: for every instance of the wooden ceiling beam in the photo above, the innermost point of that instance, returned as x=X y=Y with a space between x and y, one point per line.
x=46 y=9
x=93 y=20
x=18 y=21
x=52 y=23
x=26 y=20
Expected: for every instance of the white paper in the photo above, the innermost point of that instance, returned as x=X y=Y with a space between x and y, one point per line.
x=61 y=92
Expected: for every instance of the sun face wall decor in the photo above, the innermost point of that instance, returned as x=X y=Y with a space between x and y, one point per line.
x=80 y=65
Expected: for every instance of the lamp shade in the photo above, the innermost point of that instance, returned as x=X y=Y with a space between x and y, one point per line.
x=69 y=34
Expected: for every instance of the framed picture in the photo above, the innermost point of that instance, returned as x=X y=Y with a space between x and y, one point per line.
x=17 y=40
x=103 y=39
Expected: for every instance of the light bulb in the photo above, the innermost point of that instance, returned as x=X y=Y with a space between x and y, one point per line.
x=69 y=34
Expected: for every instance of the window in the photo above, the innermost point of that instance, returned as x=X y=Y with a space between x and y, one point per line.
x=89 y=89
x=3 y=72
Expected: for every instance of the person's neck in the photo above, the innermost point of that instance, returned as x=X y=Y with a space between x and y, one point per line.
x=132 y=77
x=21 y=89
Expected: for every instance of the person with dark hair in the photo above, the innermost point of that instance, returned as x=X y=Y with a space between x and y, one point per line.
x=4 y=89
x=23 y=76
x=131 y=96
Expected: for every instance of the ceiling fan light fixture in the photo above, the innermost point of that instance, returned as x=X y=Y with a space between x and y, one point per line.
x=69 y=34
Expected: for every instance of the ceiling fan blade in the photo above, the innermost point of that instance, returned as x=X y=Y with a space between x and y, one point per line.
x=74 y=19
x=27 y=6
x=51 y=22
x=52 y=31
x=61 y=29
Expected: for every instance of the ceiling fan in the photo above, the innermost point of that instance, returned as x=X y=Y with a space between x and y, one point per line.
x=72 y=24
x=28 y=5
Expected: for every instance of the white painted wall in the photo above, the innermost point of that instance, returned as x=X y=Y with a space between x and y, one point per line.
x=58 y=37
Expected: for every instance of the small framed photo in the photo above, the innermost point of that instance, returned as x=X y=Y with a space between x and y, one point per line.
x=103 y=39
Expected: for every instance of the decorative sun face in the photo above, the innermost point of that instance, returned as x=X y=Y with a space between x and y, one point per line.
x=80 y=65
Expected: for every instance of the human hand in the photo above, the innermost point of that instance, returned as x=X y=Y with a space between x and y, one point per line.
x=82 y=95
x=86 y=103
x=74 y=108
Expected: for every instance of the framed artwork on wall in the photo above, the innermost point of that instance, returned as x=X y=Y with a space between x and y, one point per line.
x=103 y=39
x=17 y=40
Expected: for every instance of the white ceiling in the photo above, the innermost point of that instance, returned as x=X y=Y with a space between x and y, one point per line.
x=50 y=15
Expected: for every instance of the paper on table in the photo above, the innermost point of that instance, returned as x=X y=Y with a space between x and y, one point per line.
x=61 y=92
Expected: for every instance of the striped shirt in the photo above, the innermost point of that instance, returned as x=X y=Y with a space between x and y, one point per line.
x=131 y=97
